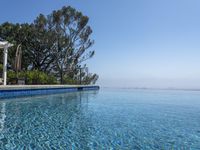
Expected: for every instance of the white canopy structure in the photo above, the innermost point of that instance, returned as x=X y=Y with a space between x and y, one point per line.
x=5 y=45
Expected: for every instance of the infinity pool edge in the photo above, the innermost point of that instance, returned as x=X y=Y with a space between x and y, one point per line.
x=13 y=91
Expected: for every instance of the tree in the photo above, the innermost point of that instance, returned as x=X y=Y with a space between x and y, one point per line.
x=57 y=44
x=41 y=44
x=16 y=34
x=72 y=39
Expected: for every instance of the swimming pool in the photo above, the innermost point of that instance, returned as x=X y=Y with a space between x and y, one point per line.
x=105 y=119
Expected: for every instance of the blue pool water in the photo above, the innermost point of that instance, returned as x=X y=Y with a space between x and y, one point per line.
x=105 y=119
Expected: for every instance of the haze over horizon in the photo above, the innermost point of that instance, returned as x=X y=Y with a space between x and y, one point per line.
x=138 y=43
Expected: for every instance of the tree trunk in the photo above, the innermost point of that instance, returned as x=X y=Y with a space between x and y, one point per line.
x=61 y=77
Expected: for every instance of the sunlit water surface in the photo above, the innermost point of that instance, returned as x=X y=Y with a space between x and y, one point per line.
x=105 y=119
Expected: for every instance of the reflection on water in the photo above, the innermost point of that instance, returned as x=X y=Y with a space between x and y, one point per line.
x=45 y=121
x=2 y=116
x=109 y=119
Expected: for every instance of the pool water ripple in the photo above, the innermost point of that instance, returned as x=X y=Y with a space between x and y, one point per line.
x=106 y=119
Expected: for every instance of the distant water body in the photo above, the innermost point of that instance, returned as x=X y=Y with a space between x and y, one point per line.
x=106 y=119
x=148 y=88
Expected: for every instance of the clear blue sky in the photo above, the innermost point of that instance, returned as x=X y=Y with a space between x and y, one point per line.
x=138 y=43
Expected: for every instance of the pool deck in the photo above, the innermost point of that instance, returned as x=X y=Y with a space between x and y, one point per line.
x=10 y=91
x=23 y=87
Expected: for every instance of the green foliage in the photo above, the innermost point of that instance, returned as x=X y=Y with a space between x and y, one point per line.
x=56 y=45
x=11 y=74
x=33 y=77
x=38 y=77
x=90 y=79
x=85 y=79
x=1 y=68
x=68 y=80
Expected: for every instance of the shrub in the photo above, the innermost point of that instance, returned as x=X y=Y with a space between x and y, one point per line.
x=68 y=80
x=33 y=77
x=38 y=77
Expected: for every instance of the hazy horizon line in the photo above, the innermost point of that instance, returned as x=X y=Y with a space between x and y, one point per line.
x=152 y=88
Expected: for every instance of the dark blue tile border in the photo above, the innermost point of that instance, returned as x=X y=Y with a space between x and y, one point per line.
x=12 y=93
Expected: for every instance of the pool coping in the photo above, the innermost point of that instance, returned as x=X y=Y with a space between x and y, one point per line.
x=13 y=91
